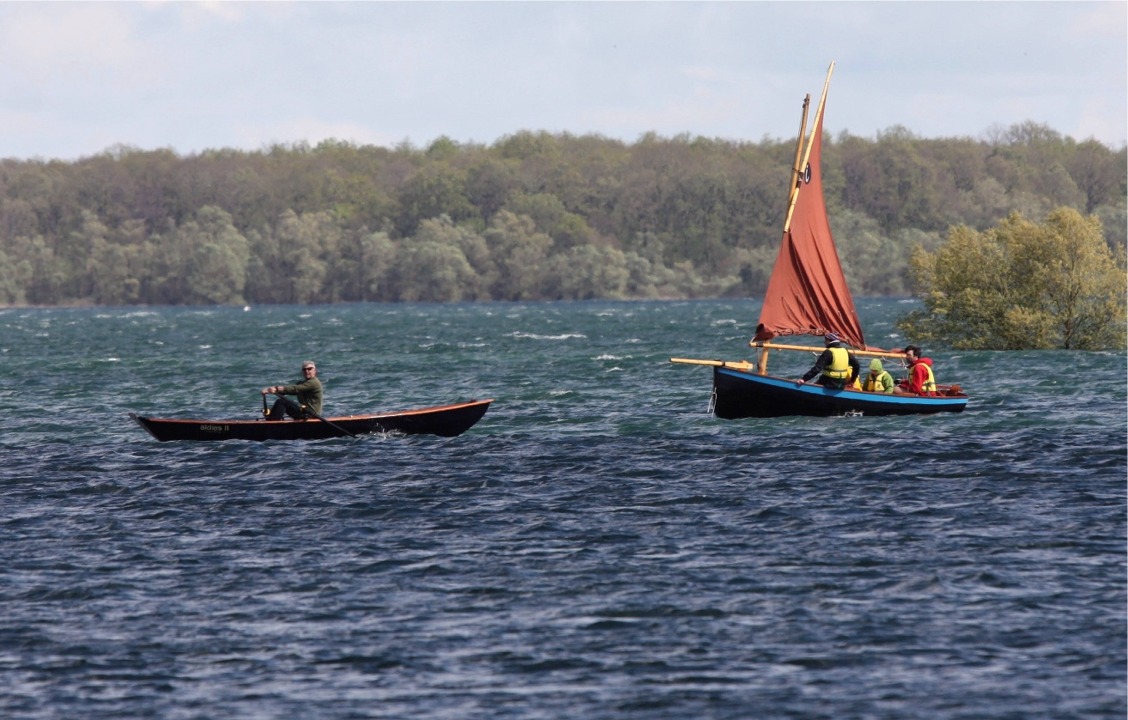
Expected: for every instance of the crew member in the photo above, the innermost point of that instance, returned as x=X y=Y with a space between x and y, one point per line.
x=836 y=367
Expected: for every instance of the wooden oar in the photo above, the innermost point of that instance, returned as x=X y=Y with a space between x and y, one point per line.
x=309 y=410
x=333 y=425
x=734 y=364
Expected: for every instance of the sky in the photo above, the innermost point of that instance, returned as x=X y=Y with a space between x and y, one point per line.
x=80 y=78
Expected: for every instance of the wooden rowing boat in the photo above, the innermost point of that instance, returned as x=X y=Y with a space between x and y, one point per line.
x=442 y=420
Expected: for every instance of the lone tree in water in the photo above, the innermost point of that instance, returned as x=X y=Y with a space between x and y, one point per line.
x=1022 y=286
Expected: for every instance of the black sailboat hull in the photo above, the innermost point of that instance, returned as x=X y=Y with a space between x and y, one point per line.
x=442 y=420
x=746 y=395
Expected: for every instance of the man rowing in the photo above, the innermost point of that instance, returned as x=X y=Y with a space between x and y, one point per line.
x=308 y=393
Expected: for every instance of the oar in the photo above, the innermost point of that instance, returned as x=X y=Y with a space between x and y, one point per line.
x=734 y=364
x=309 y=410
x=333 y=425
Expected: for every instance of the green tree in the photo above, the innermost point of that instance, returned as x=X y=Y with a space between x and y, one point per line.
x=519 y=252
x=754 y=267
x=435 y=190
x=216 y=262
x=11 y=281
x=566 y=229
x=306 y=241
x=290 y=265
x=1114 y=220
x=587 y=272
x=488 y=186
x=1022 y=285
x=41 y=274
x=377 y=257
x=118 y=263
x=872 y=262
x=431 y=271
x=471 y=246
x=1096 y=173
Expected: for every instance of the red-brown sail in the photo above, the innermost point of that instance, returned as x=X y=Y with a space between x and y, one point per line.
x=807 y=293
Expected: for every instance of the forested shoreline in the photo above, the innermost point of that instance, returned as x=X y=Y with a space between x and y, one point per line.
x=533 y=216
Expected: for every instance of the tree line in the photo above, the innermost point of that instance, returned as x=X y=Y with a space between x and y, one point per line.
x=533 y=216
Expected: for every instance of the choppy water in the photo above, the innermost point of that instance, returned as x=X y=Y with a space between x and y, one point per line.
x=598 y=546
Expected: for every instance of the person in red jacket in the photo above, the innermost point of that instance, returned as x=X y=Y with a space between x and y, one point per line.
x=920 y=381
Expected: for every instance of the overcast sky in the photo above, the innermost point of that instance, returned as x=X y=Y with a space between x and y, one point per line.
x=81 y=77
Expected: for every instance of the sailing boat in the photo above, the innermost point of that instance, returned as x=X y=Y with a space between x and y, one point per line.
x=807 y=295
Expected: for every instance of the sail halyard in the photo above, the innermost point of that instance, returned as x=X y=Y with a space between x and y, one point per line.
x=807 y=293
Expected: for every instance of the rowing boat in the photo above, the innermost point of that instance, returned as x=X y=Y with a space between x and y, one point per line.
x=442 y=420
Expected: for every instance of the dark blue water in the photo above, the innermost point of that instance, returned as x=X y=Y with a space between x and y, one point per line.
x=598 y=546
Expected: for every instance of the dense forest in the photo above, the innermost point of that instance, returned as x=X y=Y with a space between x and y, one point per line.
x=532 y=216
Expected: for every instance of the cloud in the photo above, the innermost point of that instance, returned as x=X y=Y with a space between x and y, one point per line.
x=51 y=43
x=204 y=74
x=1102 y=19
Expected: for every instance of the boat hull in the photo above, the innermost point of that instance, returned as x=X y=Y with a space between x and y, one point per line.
x=442 y=420
x=740 y=394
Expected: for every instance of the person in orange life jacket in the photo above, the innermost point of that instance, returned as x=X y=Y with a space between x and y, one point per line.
x=878 y=380
x=920 y=381
x=836 y=367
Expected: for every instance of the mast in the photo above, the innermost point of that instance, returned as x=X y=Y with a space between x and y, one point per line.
x=799 y=173
x=800 y=166
x=793 y=193
x=796 y=168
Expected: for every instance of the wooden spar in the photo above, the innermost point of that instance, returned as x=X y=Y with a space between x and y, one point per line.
x=818 y=112
x=814 y=348
x=745 y=366
x=796 y=169
x=734 y=364
x=801 y=165
x=792 y=196
x=762 y=365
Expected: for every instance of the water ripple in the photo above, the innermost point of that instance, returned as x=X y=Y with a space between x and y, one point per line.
x=598 y=546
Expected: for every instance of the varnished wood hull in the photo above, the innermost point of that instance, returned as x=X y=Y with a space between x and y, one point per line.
x=443 y=420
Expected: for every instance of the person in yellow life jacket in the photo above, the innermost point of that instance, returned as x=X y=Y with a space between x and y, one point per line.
x=878 y=380
x=836 y=367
